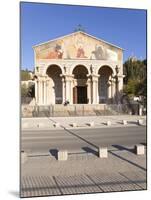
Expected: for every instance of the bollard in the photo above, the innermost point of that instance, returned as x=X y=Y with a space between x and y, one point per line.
x=91 y=124
x=140 y=110
x=23 y=157
x=139 y=149
x=39 y=125
x=140 y=122
x=124 y=122
x=57 y=125
x=74 y=125
x=62 y=155
x=108 y=123
x=103 y=152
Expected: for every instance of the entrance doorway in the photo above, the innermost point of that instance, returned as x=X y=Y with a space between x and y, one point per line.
x=80 y=95
x=80 y=82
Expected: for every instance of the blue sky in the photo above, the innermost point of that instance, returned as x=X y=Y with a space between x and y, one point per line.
x=41 y=22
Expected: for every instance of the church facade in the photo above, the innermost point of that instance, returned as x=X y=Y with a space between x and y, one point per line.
x=78 y=68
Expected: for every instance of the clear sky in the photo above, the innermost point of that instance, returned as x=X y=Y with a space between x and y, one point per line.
x=42 y=22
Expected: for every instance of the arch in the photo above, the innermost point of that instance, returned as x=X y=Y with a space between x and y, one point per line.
x=80 y=84
x=80 y=71
x=54 y=85
x=105 y=73
x=79 y=64
x=52 y=65
x=109 y=66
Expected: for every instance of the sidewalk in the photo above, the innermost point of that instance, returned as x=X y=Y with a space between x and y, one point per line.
x=81 y=122
x=121 y=171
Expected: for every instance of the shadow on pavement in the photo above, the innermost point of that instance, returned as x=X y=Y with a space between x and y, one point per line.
x=122 y=148
x=90 y=150
x=54 y=153
x=129 y=161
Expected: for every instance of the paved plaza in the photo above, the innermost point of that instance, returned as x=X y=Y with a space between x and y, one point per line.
x=83 y=172
x=81 y=122
x=121 y=171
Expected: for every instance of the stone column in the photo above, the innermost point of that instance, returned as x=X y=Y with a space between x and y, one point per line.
x=71 y=91
x=89 y=90
x=44 y=92
x=95 y=98
x=40 y=91
x=109 y=88
x=67 y=89
x=36 y=88
x=113 y=89
x=63 y=90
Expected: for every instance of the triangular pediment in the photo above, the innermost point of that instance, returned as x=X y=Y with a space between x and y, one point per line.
x=78 y=45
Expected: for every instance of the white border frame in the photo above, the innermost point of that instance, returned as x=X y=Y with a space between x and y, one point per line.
x=9 y=100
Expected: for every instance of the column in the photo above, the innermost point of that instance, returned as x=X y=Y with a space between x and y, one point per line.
x=97 y=91
x=36 y=81
x=89 y=91
x=113 y=90
x=40 y=91
x=109 y=88
x=71 y=91
x=95 y=98
x=67 y=90
x=63 y=90
x=44 y=92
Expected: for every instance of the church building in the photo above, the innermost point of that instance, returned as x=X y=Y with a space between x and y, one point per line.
x=78 y=68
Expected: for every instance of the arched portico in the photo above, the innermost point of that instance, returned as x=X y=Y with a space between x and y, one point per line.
x=80 y=93
x=54 y=85
x=105 y=84
x=81 y=84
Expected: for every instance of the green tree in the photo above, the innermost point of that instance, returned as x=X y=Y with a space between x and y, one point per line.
x=27 y=91
x=25 y=76
x=24 y=90
x=135 y=83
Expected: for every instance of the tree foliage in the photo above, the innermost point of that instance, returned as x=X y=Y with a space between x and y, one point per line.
x=27 y=91
x=135 y=81
x=25 y=76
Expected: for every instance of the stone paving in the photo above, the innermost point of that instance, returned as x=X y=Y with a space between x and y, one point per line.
x=42 y=174
x=83 y=173
x=82 y=122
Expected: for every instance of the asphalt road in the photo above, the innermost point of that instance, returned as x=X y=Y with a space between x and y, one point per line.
x=77 y=140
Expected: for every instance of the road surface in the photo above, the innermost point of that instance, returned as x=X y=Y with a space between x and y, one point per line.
x=79 y=139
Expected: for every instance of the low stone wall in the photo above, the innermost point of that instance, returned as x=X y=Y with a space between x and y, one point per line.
x=27 y=111
x=60 y=110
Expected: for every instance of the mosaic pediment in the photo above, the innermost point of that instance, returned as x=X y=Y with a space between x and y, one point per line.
x=77 y=46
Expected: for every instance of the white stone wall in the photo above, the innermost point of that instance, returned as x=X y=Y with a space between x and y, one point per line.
x=45 y=93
